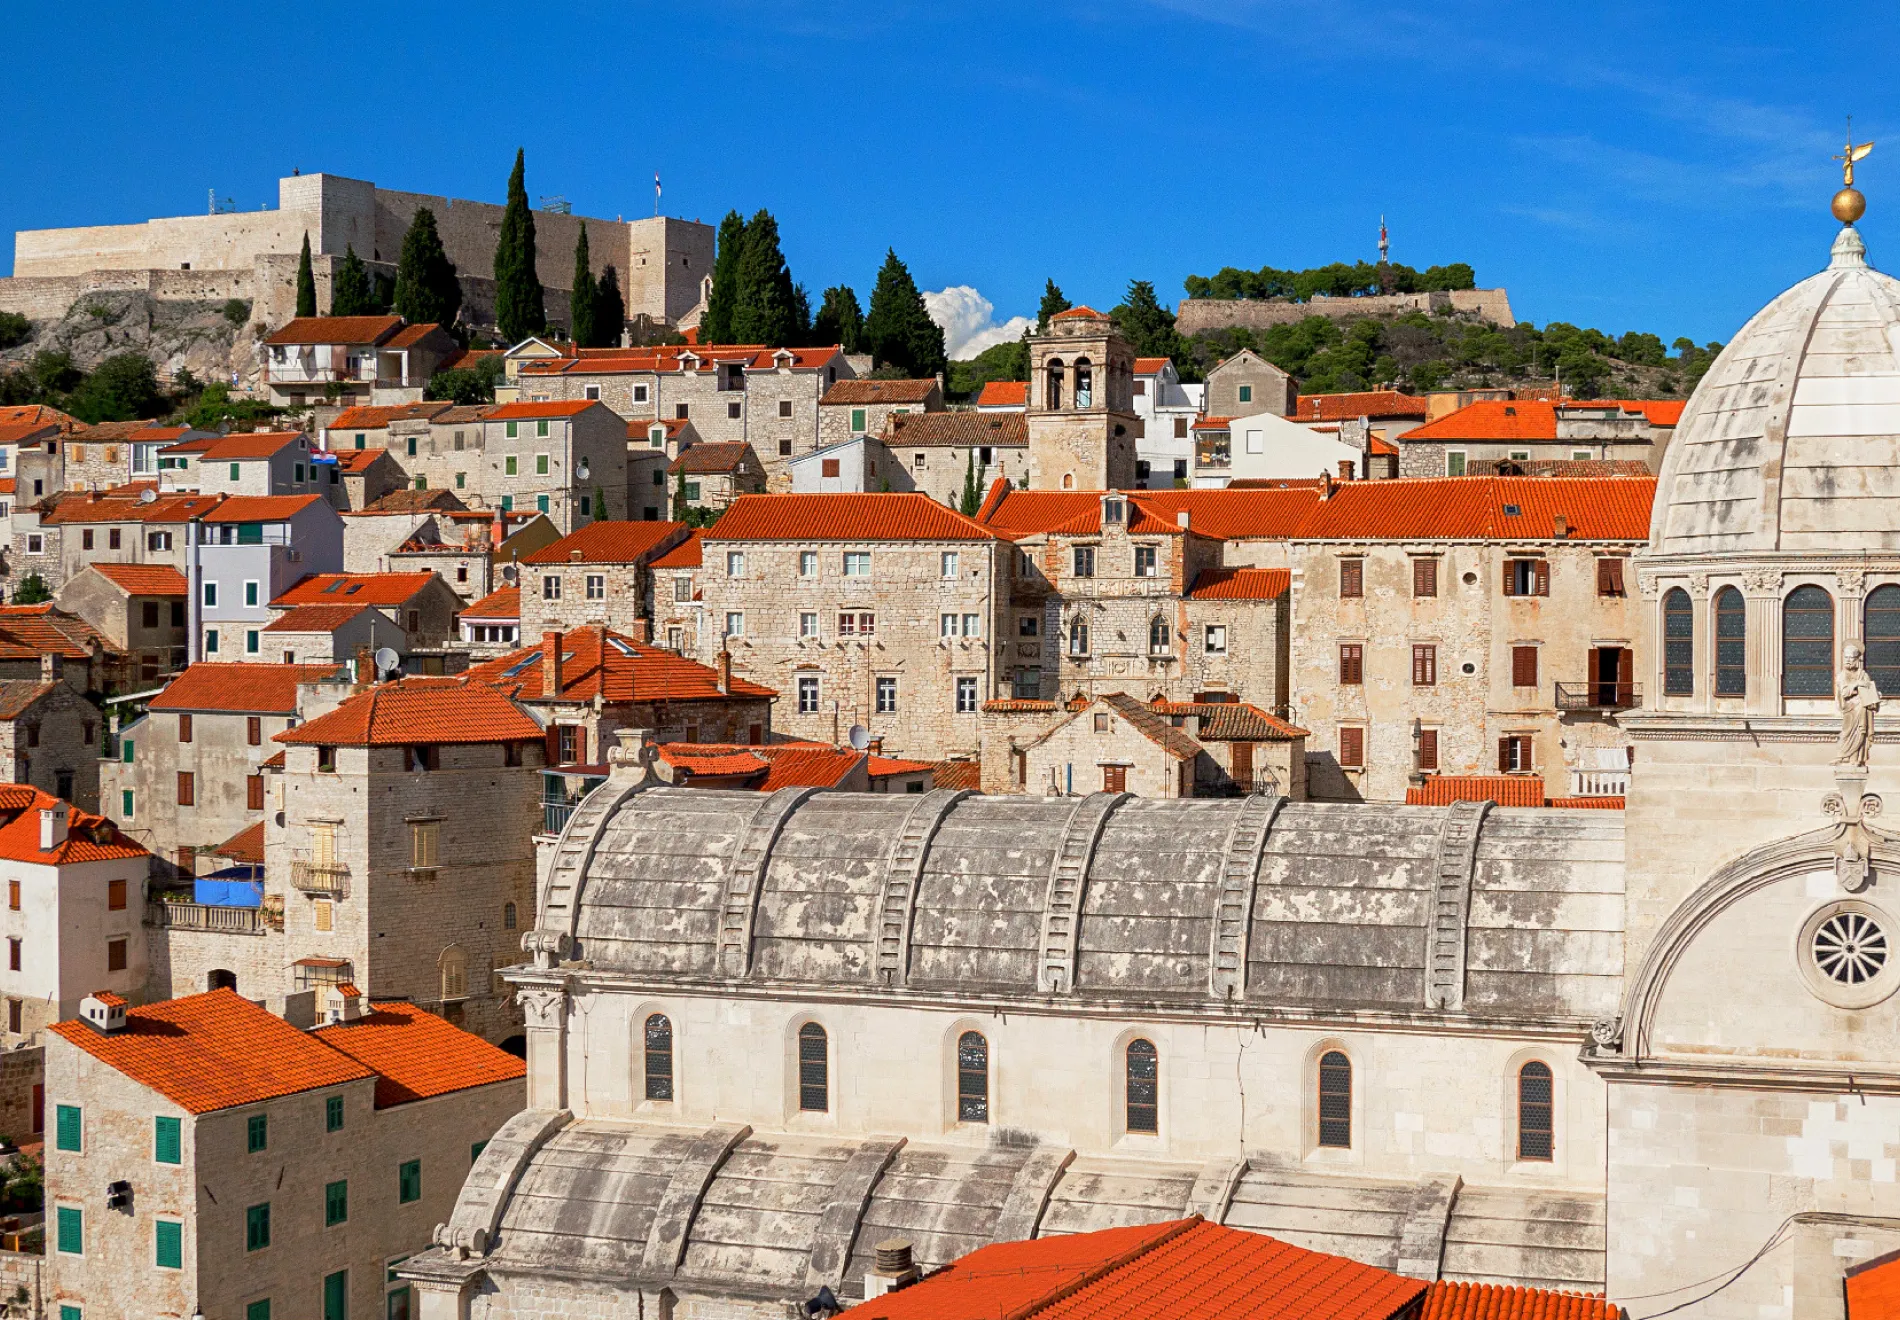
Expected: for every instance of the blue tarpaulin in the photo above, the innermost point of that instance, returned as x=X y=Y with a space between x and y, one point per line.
x=215 y=892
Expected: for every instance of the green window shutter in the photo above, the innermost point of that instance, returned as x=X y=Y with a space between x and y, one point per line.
x=257 y=1132
x=72 y=1230
x=510 y=466
x=511 y=430
x=541 y=503
x=336 y=1296
x=475 y=1151
x=540 y=465
x=125 y=803
x=168 y=1140
x=409 y=1182
x=336 y=1203
x=171 y=1244
x=857 y=419
x=234 y=472
x=72 y=1313
x=333 y=1113
x=507 y=504
x=125 y=751
x=258 y=1310
x=412 y=446
x=67 y=1128
x=359 y=444
x=1246 y=394
x=257 y=1227
x=540 y=428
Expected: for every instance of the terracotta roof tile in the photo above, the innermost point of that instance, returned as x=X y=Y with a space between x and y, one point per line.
x=358 y=460
x=37 y=413
x=848 y=517
x=36 y=630
x=411 y=335
x=18 y=695
x=436 y=499
x=143 y=579
x=527 y=411
x=962 y=429
x=385 y=589
x=337 y=330
x=707 y=760
x=1175 y=742
x=964 y=774
x=1224 y=514
x=418 y=710
x=1445 y=1300
x=314 y=618
x=502 y=604
x=606 y=542
x=1232 y=721
x=891 y=765
x=89 y=838
x=1240 y=584
x=1480 y=509
x=879 y=391
x=598 y=662
x=85 y=507
x=416 y=1054
x=729 y=456
x=467 y=358
x=1368 y=403
x=247 y=845
x=375 y=418
x=261 y=508
x=1149 y=366
x=1505 y=790
x=687 y=554
x=1533 y=419
x=1021 y=706
x=1076 y=312
x=801 y=767
x=1556 y=467
x=240 y=688
x=1003 y=394
x=1380 y=447
x=247 y=445
x=16 y=433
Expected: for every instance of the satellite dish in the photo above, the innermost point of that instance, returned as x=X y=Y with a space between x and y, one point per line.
x=148 y=496
x=859 y=737
x=387 y=662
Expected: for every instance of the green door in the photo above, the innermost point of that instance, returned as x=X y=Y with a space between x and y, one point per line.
x=336 y=1296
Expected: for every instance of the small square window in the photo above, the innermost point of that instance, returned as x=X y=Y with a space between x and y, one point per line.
x=784 y=407
x=257 y=1227
x=966 y=696
x=733 y=411
x=336 y=1203
x=409 y=1182
x=333 y=1113
x=257 y=1133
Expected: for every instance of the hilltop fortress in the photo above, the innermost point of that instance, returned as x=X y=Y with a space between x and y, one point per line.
x=1199 y=315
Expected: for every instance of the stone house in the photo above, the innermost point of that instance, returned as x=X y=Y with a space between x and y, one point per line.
x=677 y=605
x=492 y=625
x=1081 y=417
x=877 y=610
x=80 y=529
x=850 y=466
x=473 y=552
x=108 y=455
x=1167 y=408
x=373 y=534
x=273 y=1169
x=354 y=479
x=405 y=845
x=252 y=549
x=444 y=451
x=368 y=427
x=1248 y=383
x=352 y=360
x=30 y=454
x=75 y=903
x=598 y=574
x=1525 y=430
x=50 y=735
x=938 y=452
x=853 y=408
x=1387 y=414
x=249 y=463
x=712 y=476
x=188 y=774
x=1466 y=625
x=651 y=448
x=1114 y=744
x=420 y=606
x=38 y=641
x=563 y=459
x=138 y=608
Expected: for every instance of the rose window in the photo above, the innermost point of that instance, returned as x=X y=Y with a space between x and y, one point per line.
x=1850 y=948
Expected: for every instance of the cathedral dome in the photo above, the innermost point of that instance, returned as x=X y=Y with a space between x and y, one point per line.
x=1791 y=443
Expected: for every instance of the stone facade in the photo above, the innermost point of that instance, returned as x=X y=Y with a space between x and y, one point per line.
x=563 y=462
x=1081 y=414
x=854 y=408
x=50 y=737
x=1199 y=315
x=148 y=626
x=1247 y=384
x=595 y=577
x=937 y=453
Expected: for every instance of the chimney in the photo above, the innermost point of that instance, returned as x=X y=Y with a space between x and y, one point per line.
x=52 y=666
x=1182 y=520
x=300 y=1009
x=103 y=1011
x=551 y=644
x=725 y=672
x=345 y=1003
x=641 y=630
x=1562 y=528
x=365 y=667
x=53 y=826
x=1345 y=469
x=894 y=1268
x=1325 y=485
x=500 y=533
x=574 y=555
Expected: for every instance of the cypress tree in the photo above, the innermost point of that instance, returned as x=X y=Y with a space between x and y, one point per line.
x=426 y=287
x=306 y=281
x=518 y=304
x=899 y=332
x=582 y=302
x=765 y=305
x=1053 y=301
x=715 y=327
x=610 y=309
x=840 y=319
x=972 y=496
x=349 y=291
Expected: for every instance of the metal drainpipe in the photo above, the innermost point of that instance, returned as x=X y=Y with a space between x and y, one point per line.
x=194 y=618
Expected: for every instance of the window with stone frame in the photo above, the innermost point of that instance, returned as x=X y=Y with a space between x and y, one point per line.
x=1731 y=645
x=1141 y=1087
x=1807 y=643
x=1678 y=643
x=1352 y=577
x=1526 y=577
x=1352 y=664
x=1424 y=665
x=658 y=1034
x=1335 y=1101
x=973 y=1078
x=1352 y=746
x=1214 y=639
x=1610 y=572
x=1536 y=1113
x=1424 y=576
x=551 y=586
x=596 y=586
x=1428 y=749
x=814 y=1069
x=1082 y=561
x=1515 y=754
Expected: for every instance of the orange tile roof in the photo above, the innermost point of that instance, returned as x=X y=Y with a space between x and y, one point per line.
x=315 y=618
x=679 y=358
x=782 y=765
x=606 y=542
x=250 y=445
x=728 y=456
x=707 y=760
x=879 y=391
x=417 y=1055
x=1873 y=1288
x=1232 y=721
x=337 y=330
x=1367 y=403
x=1149 y=366
x=239 y=687
x=418 y=710
x=37 y=413
x=891 y=765
x=215 y=1051
x=89 y=838
x=687 y=554
x=87 y=507
x=502 y=604
x=1379 y=446
x=1214 y=424
x=614 y=667
x=247 y=845
x=468 y=357
x=143 y=579
x=845 y=517
x=1477 y=509
x=411 y=335
x=14 y=433
x=962 y=429
x=1021 y=706
x=368 y=418
x=515 y=412
x=261 y=508
x=958 y=774
x=356 y=460
x=1185 y=1269
x=1533 y=419
x=1075 y=312
x=35 y=630
x=1445 y=1300
x=803 y=767
x=1225 y=514
x=1240 y=584
x=1587 y=803
x=1003 y=394
x=434 y=499
x=355 y=588
x=1505 y=790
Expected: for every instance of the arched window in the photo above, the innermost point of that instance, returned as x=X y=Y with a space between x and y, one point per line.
x=453 y=965
x=814 y=1070
x=973 y=1078
x=1335 y=1100
x=1052 y=397
x=659 y=1057
x=1807 y=643
x=1068 y=481
x=1678 y=644
x=1731 y=644
x=1536 y=1130
x=1159 y=641
x=1084 y=384
x=220 y=978
x=509 y=918
x=1883 y=639
x=1144 y=1087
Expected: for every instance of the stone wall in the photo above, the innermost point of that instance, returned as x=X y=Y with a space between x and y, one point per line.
x=23 y=1272
x=220 y=758
x=1199 y=315
x=54 y=745
x=1078 y=755
x=21 y=1071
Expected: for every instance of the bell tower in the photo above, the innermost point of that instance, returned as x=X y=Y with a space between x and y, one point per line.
x=1081 y=418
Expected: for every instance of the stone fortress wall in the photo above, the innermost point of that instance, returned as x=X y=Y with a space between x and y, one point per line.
x=1199 y=315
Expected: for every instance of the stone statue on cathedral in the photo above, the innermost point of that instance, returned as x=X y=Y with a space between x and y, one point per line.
x=1860 y=699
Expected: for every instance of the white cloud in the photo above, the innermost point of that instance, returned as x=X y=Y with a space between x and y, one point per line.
x=969 y=321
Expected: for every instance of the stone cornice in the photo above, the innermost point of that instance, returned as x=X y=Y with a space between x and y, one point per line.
x=1698 y=726
x=1745 y=1074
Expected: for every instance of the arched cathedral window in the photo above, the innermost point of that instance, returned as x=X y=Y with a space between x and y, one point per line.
x=1731 y=644
x=1882 y=629
x=659 y=1057
x=1084 y=384
x=1807 y=643
x=1143 y=1099
x=1052 y=398
x=814 y=1069
x=973 y=1078
x=1678 y=644
x=1536 y=1122
x=1335 y=1100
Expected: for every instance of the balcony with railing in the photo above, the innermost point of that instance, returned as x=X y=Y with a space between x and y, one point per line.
x=1599 y=783
x=328 y=879
x=1602 y=695
x=203 y=917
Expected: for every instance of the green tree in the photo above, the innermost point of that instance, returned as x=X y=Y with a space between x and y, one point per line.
x=972 y=493
x=610 y=309
x=427 y=290
x=840 y=319
x=765 y=305
x=214 y=408
x=898 y=332
x=581 y=326
x=1053 y=301
x=32 y=590
x=123 y=388
x=306 y=281
x=1149 y=328
x=467 y=385
x=350 y=293
x=518 y=302
x=715 y=327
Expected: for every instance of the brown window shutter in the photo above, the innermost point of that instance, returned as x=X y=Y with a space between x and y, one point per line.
x=1243 y=760
x=1351 y=664
x=1596 y=667
x=187 y=789
x=1504 y=756
x=1510 y=577
x=1424 y=577
x=1542 y=587
x=1428 y=749
x=1352 y=580
x=554 y=744
x=254 y=730
x=1352 y=747
x=1114 y=779
x=1625 y=676
x=254 y=792
x=184 y=728
x=1523 y=666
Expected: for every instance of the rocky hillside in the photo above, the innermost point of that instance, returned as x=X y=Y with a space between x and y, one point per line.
x=210 y=340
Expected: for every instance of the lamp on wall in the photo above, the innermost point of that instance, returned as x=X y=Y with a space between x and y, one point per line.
x=585 y=472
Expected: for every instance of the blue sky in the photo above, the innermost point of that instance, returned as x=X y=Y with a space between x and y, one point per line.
x=1655 y=167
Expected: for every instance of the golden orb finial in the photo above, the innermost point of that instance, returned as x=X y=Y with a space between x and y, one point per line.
x=1849 y=203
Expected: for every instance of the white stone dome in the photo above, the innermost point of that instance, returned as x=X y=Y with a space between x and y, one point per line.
x=1791 y=443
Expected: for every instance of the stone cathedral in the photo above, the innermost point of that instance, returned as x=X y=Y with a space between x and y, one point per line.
x=1653 y=1052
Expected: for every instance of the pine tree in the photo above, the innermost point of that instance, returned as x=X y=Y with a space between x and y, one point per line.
x=349 y=291
x=610 y=309
x=1053 y=301
x=427 y=290
x=582 y=328
x=899 y=332
x=1149 y=329
x=715 y=327
x=306 y=281
x=765 y=307
x=518 y=304
x=840 y=319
